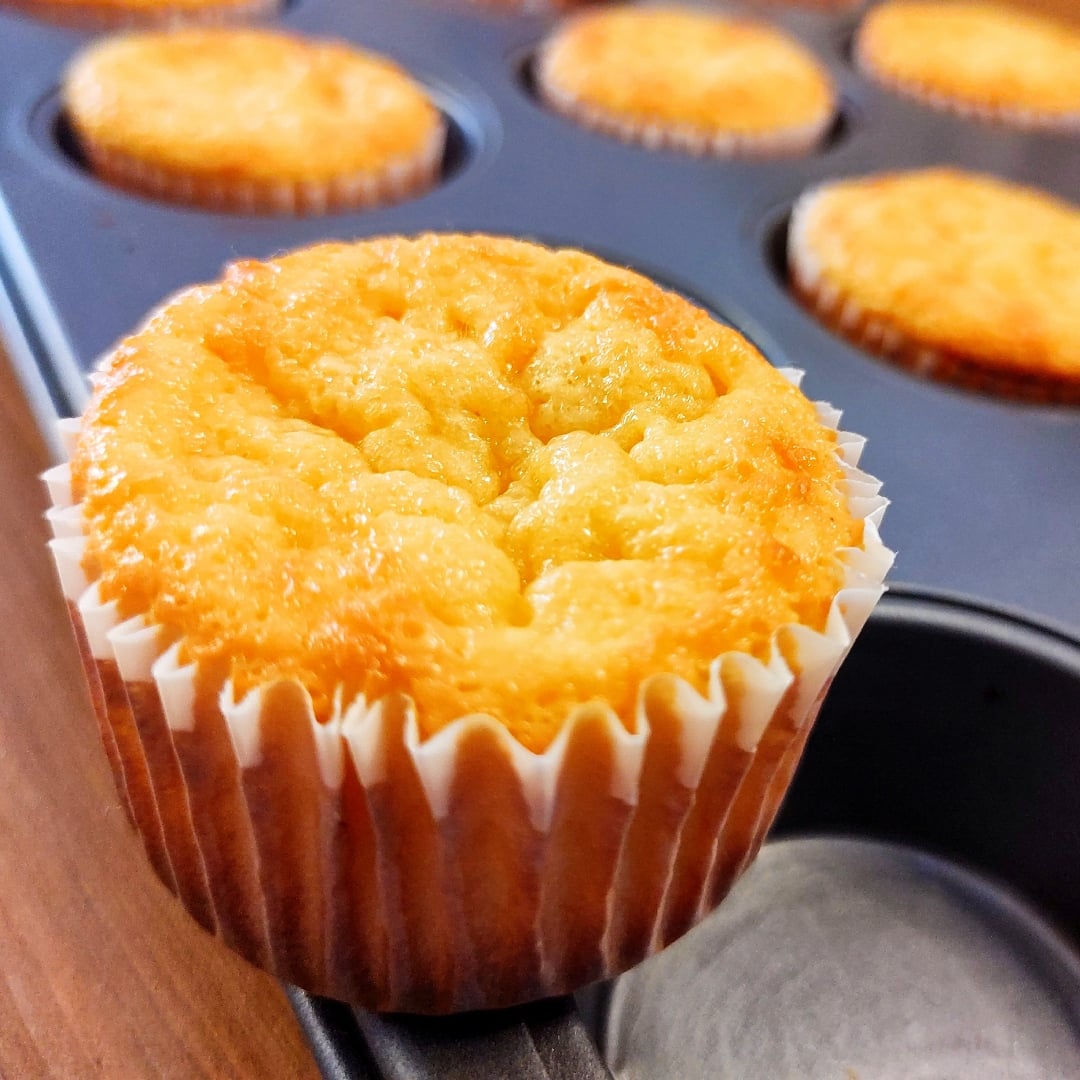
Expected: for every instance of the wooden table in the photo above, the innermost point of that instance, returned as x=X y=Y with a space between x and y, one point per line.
x=102 y=974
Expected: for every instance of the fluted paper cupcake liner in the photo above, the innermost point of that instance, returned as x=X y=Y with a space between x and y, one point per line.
x=885 y=337
x=462 y=871
x=394 y=182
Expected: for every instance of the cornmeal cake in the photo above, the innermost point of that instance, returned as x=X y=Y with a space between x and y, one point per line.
x=115 y=14
x=961 y=277
x=527 y=571
x=531 y=6
x=812 y=5
x=976 y=59
x=687 y=79
x=252 y=120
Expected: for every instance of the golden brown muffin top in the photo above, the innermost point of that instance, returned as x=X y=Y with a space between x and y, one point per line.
x=976 y=54
x=685 y=67
x=500 y=478
x=247 y=103
x=967 y=264
x=520 y=5
x=145 y=7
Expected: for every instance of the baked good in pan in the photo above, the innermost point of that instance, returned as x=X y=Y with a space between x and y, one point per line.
x=254 y=121
x=457 y=609
x=125 y=14
x=960 y=277
x=688 y=79
x=978 y=59
x=538 y=7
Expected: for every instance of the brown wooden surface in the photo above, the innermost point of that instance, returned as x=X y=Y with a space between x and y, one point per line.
x=102 y=974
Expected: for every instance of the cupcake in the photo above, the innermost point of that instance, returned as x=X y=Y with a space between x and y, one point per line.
x=530 y=6
x=812 y=5
x=116 y=14
x=960 y=277
x=459 y=608
x=252 y=121
x=681 y=78
x=976 y=59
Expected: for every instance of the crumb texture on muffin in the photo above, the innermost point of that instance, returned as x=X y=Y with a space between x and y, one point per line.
x=680 y=75
x=502 y=479
x=959 y=267
x=976 y=57
x=243 y=106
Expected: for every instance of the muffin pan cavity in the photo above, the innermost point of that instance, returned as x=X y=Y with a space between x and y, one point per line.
x=943 y=974
x=918 y=912
x=953 y=729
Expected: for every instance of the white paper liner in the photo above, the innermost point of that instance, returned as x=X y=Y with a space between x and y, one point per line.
x=689 y=139
x=393 y=182
x=886 y=338
x=399 y=910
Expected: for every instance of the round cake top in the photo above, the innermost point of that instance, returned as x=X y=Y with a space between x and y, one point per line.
x=967 y=264
x=976 y=54
x=247 y=103
x=499 y=478
x=150 y=10
x=686 y=68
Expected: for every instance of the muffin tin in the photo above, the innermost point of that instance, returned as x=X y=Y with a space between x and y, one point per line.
x=986 y=492
x=950 y=729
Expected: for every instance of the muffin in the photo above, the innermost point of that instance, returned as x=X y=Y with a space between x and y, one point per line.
x=686 y=79
x=530 y=6
x=976 y=59
x=252 y=121
x=812 y=5
x=470 y=602
x=117 y=14
x=960 y=277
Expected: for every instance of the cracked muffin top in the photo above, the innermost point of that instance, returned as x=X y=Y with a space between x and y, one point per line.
x=495 y=477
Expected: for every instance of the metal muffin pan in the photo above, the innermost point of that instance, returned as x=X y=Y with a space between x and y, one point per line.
x=847 y=948
x=986 y=492
x=950 y=729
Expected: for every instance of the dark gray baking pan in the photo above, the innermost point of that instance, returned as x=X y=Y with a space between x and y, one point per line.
x=986 y=493
x=955 y=727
